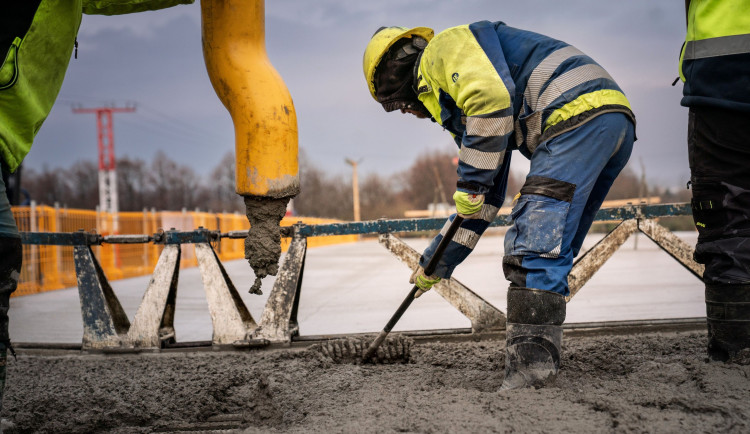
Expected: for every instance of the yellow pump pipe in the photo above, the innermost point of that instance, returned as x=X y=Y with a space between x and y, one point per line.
x=265 y=123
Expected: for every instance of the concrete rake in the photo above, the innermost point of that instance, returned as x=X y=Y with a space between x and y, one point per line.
x=384 y=349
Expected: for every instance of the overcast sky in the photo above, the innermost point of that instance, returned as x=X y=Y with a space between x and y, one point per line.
x=154 y=60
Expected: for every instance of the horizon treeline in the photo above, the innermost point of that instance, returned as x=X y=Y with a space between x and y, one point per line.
x=166 y=185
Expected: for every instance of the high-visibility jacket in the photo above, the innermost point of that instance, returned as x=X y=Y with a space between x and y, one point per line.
x=487 y=82
x=33 y=68
x=715 y=60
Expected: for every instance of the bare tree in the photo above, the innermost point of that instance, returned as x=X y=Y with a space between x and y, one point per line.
x=47 y=187
x=166 y=185
x=132 y=184
x=380 y=198
x=627 y=185
x=82 y=185
x=221 y=188
x=163 y=180
x=420 y=182
x=321 y=195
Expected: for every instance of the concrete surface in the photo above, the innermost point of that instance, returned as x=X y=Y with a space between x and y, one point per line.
x=634 y=383
x=356 y=287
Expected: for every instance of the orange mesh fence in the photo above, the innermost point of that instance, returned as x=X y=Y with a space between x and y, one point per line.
x=46 y=268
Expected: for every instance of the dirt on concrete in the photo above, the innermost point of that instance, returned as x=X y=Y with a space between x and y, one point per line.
x=635 y=383
x=263 y=242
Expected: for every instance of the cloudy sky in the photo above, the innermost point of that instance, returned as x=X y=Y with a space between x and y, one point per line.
x=154 y=60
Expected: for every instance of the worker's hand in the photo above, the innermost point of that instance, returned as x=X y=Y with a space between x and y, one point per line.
x=424 y=283
x=468 y=205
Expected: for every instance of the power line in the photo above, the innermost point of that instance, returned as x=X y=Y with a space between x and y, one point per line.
x=182 y=124
x=187 y=130
x=174 y=134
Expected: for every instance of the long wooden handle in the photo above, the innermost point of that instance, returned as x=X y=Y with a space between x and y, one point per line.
x=429 y=269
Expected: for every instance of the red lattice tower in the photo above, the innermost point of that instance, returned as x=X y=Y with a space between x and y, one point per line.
x=107 y=166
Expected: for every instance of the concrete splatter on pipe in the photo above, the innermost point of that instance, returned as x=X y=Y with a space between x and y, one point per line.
x=265 y=122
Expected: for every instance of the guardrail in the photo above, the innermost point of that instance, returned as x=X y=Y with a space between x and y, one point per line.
x=106 y=325
x=51 y=267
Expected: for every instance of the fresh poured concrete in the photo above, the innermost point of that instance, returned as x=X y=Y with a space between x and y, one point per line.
x=646 y=382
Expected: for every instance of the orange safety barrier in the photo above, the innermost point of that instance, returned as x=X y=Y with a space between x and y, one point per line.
x=47 y=268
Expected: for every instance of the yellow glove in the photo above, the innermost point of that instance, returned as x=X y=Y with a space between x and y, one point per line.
x=424 y=283
x=468 y=205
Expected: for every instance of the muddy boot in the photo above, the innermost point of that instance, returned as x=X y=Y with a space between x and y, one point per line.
x=533 y=337
x=728 y=317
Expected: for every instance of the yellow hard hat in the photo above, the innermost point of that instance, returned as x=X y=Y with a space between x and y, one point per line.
x=381 y=41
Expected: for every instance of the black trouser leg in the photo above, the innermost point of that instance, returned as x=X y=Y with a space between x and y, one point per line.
x=10 y=269
x=719 y=152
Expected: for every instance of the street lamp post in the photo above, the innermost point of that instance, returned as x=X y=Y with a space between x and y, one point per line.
x=355 y=187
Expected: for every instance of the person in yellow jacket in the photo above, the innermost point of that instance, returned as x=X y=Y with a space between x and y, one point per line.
x=715 y=67
x=496 y=88
x=37 y=38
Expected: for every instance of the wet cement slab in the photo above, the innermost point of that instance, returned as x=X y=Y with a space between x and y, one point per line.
x=657 y=382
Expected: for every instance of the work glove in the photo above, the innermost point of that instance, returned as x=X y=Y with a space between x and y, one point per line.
x=468 y=205
x=424 y=283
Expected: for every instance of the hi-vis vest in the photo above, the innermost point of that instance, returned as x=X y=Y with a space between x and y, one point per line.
x=33 y=68
x=487 y=81
x=715 y=60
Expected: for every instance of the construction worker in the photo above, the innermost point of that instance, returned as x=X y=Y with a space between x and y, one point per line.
x=715 y=67
x=37 y=38
x=496 y=88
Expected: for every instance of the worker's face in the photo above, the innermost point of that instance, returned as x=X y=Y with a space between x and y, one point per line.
x=420 y=115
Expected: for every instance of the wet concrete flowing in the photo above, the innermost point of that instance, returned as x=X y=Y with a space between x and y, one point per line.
x=263 y=242
x=632 y=383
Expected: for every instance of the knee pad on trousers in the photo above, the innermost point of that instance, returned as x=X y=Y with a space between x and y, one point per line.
x=514 y=271
x=539 y=217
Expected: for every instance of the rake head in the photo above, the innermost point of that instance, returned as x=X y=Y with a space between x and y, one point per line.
x=394 y=349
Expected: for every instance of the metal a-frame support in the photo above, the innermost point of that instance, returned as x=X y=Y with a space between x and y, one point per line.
x=483 y=315
x=153 y=325
x=105 y=323
x=591 y=261
x=231 y=320
x=278 y=322
x=673 y=245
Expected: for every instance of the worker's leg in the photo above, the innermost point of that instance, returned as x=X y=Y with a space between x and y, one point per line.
x=10 y=269
x=719 y=154
x=598 y=194
x=569 y=177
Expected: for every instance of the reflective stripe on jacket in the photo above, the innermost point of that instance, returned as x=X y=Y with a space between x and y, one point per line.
x=715 y=60
x=486 y=81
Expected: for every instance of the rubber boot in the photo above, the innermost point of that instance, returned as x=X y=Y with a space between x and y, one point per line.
x=533 y=337
x=728 y=318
